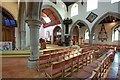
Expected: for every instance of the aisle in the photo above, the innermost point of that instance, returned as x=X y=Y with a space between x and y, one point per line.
x=112 y=74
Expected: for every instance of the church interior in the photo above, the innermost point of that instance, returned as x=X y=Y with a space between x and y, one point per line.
x=60 y=39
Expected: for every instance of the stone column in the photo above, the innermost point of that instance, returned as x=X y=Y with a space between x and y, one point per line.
x=90 y=39
x=33 y=20
x=34 y=26
x=119 y=39
x=63 y=33
x=22 y=29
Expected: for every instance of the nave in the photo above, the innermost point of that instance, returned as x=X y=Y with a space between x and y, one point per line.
x=74 y=63
x=86 y=42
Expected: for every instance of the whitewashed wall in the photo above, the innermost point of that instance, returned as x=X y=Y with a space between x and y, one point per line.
x=103 y=7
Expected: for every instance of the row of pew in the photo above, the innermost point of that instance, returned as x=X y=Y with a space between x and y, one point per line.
x=109 y=46
x=55 y=50
x=50 y=56
x=79 y=67
x=97 y=69
x=71 y=61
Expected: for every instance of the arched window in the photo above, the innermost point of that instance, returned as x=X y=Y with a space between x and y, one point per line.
x=48 y=35
x=92 y=5
x=113 y=1
x=116 y=33
x=86 y=34
x=74 y=10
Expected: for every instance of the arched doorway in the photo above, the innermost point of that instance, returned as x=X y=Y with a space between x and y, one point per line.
x=8 y=30
x=103 y=28
x=78 y=29
x=57 y=35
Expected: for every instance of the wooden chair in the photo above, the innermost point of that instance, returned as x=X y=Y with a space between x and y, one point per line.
x=89 y=57
x=56 y=70
x=75 y=64
x=61 y=55
x=68 y=67
x=84 y=55
x=66 y=53
x=46 y=52
x=80 y=61
x=54 y=57
x=44 y=61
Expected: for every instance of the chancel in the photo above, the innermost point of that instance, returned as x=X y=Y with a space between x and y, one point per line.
x=60 y=39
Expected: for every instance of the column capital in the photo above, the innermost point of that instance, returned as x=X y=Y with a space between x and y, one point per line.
x=33 y=23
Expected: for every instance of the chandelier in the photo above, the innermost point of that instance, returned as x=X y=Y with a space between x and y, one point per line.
x=102 y=34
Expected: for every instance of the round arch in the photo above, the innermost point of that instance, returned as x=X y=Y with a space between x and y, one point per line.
x=114 y=14
x=6 y=12
x=52 y=8
x=59 y=16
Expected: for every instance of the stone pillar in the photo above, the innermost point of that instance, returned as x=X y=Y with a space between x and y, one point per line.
x=63 y=33
x=119 y=39
x=33 y=20
x=22 y=29
x=34 y=26
x=90 y=39
x=119 y=7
